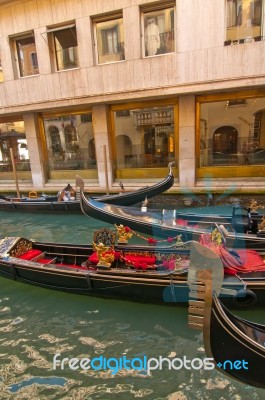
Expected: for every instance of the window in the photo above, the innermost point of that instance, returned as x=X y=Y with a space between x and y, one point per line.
x=232 y=132
x=145 y=137
x=65 y=46
x=27 y=56
x=34 y=60
x=158 y=28
x=86 y=118
x=70 y=142
x=12 y=136
x=243 y=20
x=110 y=40
x=122 y=113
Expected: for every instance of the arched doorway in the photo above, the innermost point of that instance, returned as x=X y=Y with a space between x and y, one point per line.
x=124 y=153
x=225 y=142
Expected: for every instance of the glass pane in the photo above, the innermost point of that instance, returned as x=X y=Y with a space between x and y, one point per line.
x=66 y=48
x=27 y=56
x=243 y=19
x=66 y=38
x=159 y=32
x=110 y=41
x=232 y=132
x=12 y=136
x=145 y=137
x=70 y=142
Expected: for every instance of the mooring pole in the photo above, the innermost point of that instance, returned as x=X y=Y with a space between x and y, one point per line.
x=14 y=171
x=106 y=168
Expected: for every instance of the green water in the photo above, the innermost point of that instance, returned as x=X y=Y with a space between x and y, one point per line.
x=36 y=323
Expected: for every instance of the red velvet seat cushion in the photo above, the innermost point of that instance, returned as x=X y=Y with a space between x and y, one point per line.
x=30 y=254
x=94 y=257
x=45 y=260
x=139 y=262
x=182 y=222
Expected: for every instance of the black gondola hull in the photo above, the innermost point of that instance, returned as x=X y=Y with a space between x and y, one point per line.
x=68 y=270
x=51 y=205
x=153 y=224
x=236 y=353
x=130 y=198
x=41 y=206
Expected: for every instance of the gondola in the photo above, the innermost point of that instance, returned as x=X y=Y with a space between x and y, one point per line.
x=236 y=345
x=237 y=230
x=145 y=273
x=47 y=204
x=51 y=204
x=130 y=198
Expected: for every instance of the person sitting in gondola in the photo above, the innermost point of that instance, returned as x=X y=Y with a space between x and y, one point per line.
x=67 y=194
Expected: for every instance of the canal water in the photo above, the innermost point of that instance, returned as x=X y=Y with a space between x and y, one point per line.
x=36 y=324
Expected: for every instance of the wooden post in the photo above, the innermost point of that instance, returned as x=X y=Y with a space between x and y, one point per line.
x=106 y=168
x=14 y=171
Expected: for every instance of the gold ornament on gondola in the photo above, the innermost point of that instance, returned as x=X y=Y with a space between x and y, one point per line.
x=254 y=206
x=261 y=226
x=216 y=237
x=124 y=233
x=104 y=253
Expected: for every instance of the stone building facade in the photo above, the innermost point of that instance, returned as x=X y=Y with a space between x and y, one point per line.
x=115 y=90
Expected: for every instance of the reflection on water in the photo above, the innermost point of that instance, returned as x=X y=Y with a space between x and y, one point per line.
x=52 y=381
x=36 y=324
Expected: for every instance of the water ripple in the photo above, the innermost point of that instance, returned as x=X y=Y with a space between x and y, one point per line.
x=51 y=381
x=36 y=323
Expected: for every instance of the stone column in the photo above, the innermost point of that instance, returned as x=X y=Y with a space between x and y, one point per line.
x=102 y=142
x=35 y=151
x=187 y=162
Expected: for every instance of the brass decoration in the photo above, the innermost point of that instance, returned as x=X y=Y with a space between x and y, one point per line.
x=105 y=258
x=106 y=236
x=254 y=206
x=261 y=226
x=124 y=233
x=21 y=247
x=216 y=236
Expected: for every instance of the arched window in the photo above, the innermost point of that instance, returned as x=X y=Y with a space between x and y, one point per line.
x=71 y=141
x=55 y=139
x=92 y=150
x=125 y=156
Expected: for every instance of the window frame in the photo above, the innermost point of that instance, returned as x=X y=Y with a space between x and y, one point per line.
x=17 y=56
x=139 y=172
x=64 y=116
x=97 y=30
x=244 y=28
x=59 y=62
x=154 y=9
x=226 y=171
